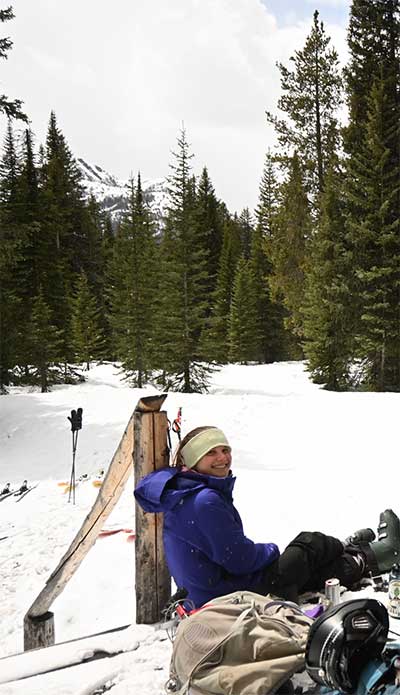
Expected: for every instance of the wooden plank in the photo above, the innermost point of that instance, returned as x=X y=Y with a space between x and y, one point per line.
x=153 y=581
x=109 y=494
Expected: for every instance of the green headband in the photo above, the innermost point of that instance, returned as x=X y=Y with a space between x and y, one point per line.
x=198 y=446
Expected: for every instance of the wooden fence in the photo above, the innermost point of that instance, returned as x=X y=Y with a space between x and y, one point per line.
x=143 y=444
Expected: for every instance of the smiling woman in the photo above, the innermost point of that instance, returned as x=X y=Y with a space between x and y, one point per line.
x=207 y=450
x=207 y=551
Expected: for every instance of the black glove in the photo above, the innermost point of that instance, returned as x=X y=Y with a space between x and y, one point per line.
x=76 y=419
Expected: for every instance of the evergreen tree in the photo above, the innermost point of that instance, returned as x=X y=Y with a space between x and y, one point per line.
x=183 y=263
x=9 y=176
x=27 y=217
x=214 y=339
x=12 y=109
x=268 y=197
x=28 y=182
x=87 y=336
x=44 y=344
x=327 y=313
x=107 y=246
x=63 y=236
x=288 y=248
x=373 y=174
x=310 y=101
x=9 y=305
x=63 y=195
x=246 y=227
x=132 y=299
x=372 y=38
x=209 y=220
x=244 y=332
x=271 y=313
x=375 y=235
x=10 y=256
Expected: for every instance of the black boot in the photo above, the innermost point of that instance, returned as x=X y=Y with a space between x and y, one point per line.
x=363 y=535
x=385 y=552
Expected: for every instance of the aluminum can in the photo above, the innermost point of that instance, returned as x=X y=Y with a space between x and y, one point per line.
x=332 y=591
x=394 y=592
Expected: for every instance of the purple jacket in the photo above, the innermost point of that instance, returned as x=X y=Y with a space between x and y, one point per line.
x=206 y=549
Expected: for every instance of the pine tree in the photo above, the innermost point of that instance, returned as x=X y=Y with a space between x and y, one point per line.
x=97 y=250
x=28 y=181
x=209 y=220
x=271 y=313
x=377 y=247
x=310 y=101
x=44 y=344
x=328 y=312
x=63 y=194
x=87 y=336
x=12 y=109
x=10 y=256
x=373 y=174
x=214 y=339
x=288 y=248
x=9 y=305
x=63 y=219
x=9 y=175
x=183 y=264
x=268 y=197
x=107 y=246
x=27 y=217
x=246 y=226
x=371 y=40
x=132 y=298
x=244 y=332
x=28 y=231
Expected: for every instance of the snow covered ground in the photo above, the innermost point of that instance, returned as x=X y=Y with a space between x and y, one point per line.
x=304 y=459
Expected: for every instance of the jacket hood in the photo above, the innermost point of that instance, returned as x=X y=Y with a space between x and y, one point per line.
x=162 y=490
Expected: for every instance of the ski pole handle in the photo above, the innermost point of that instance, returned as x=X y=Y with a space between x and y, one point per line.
x=76 y=419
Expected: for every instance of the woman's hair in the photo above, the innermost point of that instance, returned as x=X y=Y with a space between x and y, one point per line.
x=177 y=459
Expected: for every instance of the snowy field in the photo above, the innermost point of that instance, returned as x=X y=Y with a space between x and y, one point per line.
x=305 y=459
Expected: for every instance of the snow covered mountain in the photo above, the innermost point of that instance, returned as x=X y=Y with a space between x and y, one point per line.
x=112 y=193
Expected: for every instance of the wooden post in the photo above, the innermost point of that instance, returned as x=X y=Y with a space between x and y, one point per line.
x=38 y=632
x=150 y=452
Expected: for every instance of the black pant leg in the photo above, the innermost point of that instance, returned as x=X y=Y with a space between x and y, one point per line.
x=306 y=563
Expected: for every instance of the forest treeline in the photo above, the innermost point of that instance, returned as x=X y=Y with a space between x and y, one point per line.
x=312 y=273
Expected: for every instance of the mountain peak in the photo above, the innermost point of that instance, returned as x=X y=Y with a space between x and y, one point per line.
x=112 y=193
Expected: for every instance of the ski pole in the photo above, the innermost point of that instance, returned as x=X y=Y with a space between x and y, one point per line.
x=76 y=424
x=176 y=425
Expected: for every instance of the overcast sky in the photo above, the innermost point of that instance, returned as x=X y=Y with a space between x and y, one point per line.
x=122 y=76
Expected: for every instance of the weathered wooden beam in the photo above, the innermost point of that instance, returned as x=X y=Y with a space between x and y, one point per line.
x=113 y=484
x=38 y=632
x=153 y=581
x=150 y=404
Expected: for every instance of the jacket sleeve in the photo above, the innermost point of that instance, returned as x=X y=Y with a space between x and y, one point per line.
x=223 y=540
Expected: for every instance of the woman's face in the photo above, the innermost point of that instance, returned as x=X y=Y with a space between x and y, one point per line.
x=215 y=462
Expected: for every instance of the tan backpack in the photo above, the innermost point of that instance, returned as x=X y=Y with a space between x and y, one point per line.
x=239 y=644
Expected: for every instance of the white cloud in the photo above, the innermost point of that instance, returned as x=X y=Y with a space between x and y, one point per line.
x=330 y=3
x=122 y=78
